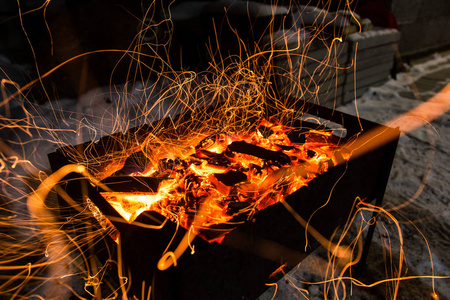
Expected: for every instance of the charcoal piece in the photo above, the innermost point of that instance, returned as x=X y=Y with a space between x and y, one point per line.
x=246 y=148
x=231 y=178
x=213 y=158
x=298 y=136
x=286 y=148
x=311 y=153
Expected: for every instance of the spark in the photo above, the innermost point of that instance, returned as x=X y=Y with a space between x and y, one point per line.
x=38 y=247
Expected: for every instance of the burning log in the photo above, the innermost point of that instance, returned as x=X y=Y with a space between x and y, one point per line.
x=231 y=178
x=268 y=155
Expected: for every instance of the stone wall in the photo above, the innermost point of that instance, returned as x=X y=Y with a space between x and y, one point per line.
x=424 y=25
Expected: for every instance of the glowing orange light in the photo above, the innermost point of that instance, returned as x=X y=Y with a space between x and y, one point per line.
x=229 y=175
x=434 y=296
x=415 y=118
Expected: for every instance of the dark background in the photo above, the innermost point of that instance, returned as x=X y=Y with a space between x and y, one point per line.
x=80 y=26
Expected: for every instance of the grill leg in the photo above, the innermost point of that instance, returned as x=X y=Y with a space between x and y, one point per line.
x=368 y=241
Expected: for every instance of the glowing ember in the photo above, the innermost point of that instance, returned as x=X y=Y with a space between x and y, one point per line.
x=229 y=178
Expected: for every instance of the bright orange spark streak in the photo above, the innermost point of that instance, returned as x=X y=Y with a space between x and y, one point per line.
x=30 y=84
x=170 y=258
x=276 y=289
x=339 y=250
x=417 y=117
x=280 y=269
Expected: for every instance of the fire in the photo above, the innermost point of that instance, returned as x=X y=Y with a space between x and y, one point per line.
x=233 y=176
x=208 y=186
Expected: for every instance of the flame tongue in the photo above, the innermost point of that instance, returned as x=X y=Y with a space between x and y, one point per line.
x=231 y=178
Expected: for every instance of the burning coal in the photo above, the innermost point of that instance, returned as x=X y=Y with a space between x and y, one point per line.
x=233 y=176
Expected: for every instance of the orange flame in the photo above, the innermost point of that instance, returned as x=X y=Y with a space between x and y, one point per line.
x=239 y=174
